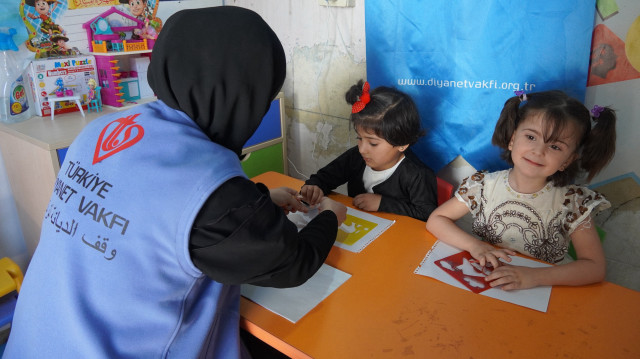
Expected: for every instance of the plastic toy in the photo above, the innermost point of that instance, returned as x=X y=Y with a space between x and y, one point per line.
x=6 y=40
x=92 y=89
x=101 y=26
x=147 y=32
x=144 y=10
x=61 y=90
x=108 y=41
x=103 y=37
x=10 y=282
x=94 y=98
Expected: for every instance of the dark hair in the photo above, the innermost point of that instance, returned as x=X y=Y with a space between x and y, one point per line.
x=390 y=114
x=596 y=146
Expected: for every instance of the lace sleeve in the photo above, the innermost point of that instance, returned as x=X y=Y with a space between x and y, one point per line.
x=470 y=191
x=581 y=203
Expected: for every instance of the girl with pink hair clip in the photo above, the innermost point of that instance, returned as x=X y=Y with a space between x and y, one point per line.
x=535 y=208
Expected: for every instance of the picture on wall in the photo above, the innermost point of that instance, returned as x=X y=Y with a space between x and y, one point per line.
x=46 y=37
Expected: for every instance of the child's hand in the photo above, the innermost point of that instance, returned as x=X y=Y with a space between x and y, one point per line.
x=312 y=194
x=367 y=201
x=338 y=208
x=287 y=199
x=512 y=277
x=486 y=254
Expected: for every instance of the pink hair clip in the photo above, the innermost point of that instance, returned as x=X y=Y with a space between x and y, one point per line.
x=596 y=111
x=521 y=94
x=363 y=99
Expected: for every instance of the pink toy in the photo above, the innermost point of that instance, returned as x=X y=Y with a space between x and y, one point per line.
x=98 y=28
x=60 y=90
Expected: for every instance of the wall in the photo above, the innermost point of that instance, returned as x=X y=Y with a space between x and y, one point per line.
x=326 y=53
x=325 y=49
x=323 y=60
x=621 y=95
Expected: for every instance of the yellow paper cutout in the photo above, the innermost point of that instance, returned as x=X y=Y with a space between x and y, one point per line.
x=353 y=229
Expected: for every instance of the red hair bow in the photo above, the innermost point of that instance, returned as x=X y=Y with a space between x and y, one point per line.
x=362 y=100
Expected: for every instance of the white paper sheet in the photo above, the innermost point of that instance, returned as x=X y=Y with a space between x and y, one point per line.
x=293 y=303
x=534 y=298
x=358 y=230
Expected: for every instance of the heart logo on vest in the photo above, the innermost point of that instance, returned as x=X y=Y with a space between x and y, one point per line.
x=116 y=136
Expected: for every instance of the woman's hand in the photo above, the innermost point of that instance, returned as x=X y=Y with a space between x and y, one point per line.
x=336 y=207
x=287 y=199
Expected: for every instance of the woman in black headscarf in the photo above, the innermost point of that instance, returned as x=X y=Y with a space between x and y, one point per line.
x=153 y=225
x=225 y=81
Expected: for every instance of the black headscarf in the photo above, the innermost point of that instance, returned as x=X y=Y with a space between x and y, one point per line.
x=222 y=66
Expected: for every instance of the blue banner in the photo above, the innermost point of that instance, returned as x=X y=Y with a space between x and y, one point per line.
x=461 y=60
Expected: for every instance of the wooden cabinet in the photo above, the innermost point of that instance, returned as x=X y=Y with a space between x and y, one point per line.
x=30 y=153
x=33 y=150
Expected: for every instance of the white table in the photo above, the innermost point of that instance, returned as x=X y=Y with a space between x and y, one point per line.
x=54 y=99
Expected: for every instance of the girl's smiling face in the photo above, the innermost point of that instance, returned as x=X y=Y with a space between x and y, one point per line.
x=376 y=151
x=535 y=157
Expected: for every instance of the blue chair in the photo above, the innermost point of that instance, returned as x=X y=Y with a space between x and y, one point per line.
x=96 y=103
x=117 y=46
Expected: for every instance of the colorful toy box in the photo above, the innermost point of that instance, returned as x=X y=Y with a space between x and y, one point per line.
x=66 y=76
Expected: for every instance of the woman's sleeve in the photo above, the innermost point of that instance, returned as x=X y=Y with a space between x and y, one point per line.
x=241 y=236
x=336 y=173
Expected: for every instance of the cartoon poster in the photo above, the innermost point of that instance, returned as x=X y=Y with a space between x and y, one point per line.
x=144 y=10
x=355 y=233
x=46 y=37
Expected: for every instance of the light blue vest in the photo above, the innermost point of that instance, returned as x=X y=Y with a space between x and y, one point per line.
x=112 y=276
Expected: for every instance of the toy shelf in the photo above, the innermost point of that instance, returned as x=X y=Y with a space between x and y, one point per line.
x=110 y=76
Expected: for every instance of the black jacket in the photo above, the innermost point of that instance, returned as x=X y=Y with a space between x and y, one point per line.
x=241 y=236
x=411 y=190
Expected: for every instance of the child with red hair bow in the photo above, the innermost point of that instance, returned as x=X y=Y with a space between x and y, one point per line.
x=381 y=172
